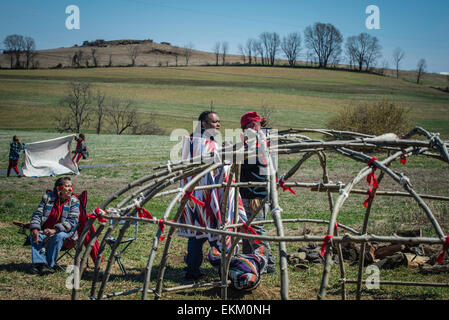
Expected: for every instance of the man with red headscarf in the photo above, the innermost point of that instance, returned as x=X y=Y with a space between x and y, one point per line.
x=255 y=171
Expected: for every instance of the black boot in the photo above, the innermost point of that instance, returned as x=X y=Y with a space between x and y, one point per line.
x=47 y=270
x=36 y=268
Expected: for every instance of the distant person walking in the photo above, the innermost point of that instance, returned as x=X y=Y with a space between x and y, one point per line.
x=80 y=150
x=14 y=154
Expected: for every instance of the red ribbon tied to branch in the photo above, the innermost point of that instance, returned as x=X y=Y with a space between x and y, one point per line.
x=143 y=213
x=192 y=197
x=371 y=179
x=97 y=215
x=282 y=185
x=370 y=197
x=445 y=247
x=325 y=243
x=403 y=159
x=161 y=226
x=247 y=228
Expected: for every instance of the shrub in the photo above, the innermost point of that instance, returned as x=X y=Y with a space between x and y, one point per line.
x=148 y=127
x=376 y=118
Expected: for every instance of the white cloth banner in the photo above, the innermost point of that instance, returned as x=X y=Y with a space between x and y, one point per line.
x=49 y=158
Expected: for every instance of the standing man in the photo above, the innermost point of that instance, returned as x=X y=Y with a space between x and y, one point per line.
x=209 y=123
x=255 y=171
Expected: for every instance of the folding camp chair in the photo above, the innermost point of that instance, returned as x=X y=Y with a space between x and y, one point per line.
x=126 y=243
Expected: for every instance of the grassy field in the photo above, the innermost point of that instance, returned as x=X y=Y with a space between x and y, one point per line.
x=298 y=98
x=20 y=196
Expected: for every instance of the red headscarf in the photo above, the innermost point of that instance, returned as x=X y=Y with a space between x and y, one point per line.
x=249 y=117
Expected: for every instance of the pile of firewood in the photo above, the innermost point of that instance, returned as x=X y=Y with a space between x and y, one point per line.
x=384 y=256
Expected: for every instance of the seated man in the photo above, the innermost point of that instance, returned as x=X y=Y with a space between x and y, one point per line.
x=55 y=220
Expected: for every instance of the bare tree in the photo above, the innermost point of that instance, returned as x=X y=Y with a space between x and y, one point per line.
x=363 y=50
x=216 y=49
x=271 y=43
x=242 y=52
x=224 y=51
x=93 y=53
x=122 y=115
x=86 y=60
x=30 y=51
x=291 y=45
x=398 y=56
x=250 y=50
x=309 y=57
x=133 y=53
x=334 y=58
x=78 y=99
x=324 y=39
x=374 y=53
x=99 y=110
x=78 y=58
x=187 y=51
x=384 y=66
x=14 y=47
x=258 y=49
x=421 y=68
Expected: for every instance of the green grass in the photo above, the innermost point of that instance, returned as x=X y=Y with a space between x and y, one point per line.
x=298 y=97
x=19 y=198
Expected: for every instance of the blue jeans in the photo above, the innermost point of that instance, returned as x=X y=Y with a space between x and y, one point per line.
x=52 y=247
x=194 y=257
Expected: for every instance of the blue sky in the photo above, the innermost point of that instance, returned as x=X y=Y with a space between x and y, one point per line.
x=420 y=28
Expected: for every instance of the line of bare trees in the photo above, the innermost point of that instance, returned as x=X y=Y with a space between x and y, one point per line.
x=87 y=106
x=21 y=51
x=324 y=44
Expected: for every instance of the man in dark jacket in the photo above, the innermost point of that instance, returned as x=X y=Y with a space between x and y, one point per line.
x=255 y=170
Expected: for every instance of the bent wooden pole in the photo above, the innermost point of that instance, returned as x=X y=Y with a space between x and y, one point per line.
x=189 y=188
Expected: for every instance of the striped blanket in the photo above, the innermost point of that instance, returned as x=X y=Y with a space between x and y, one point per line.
x=210 y=215
x=245 y=270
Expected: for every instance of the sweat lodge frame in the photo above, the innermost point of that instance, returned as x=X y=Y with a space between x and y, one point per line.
x=292 y=141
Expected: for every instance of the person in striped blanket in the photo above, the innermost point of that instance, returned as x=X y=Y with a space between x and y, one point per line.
x=204 y=207
x=245 y=270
